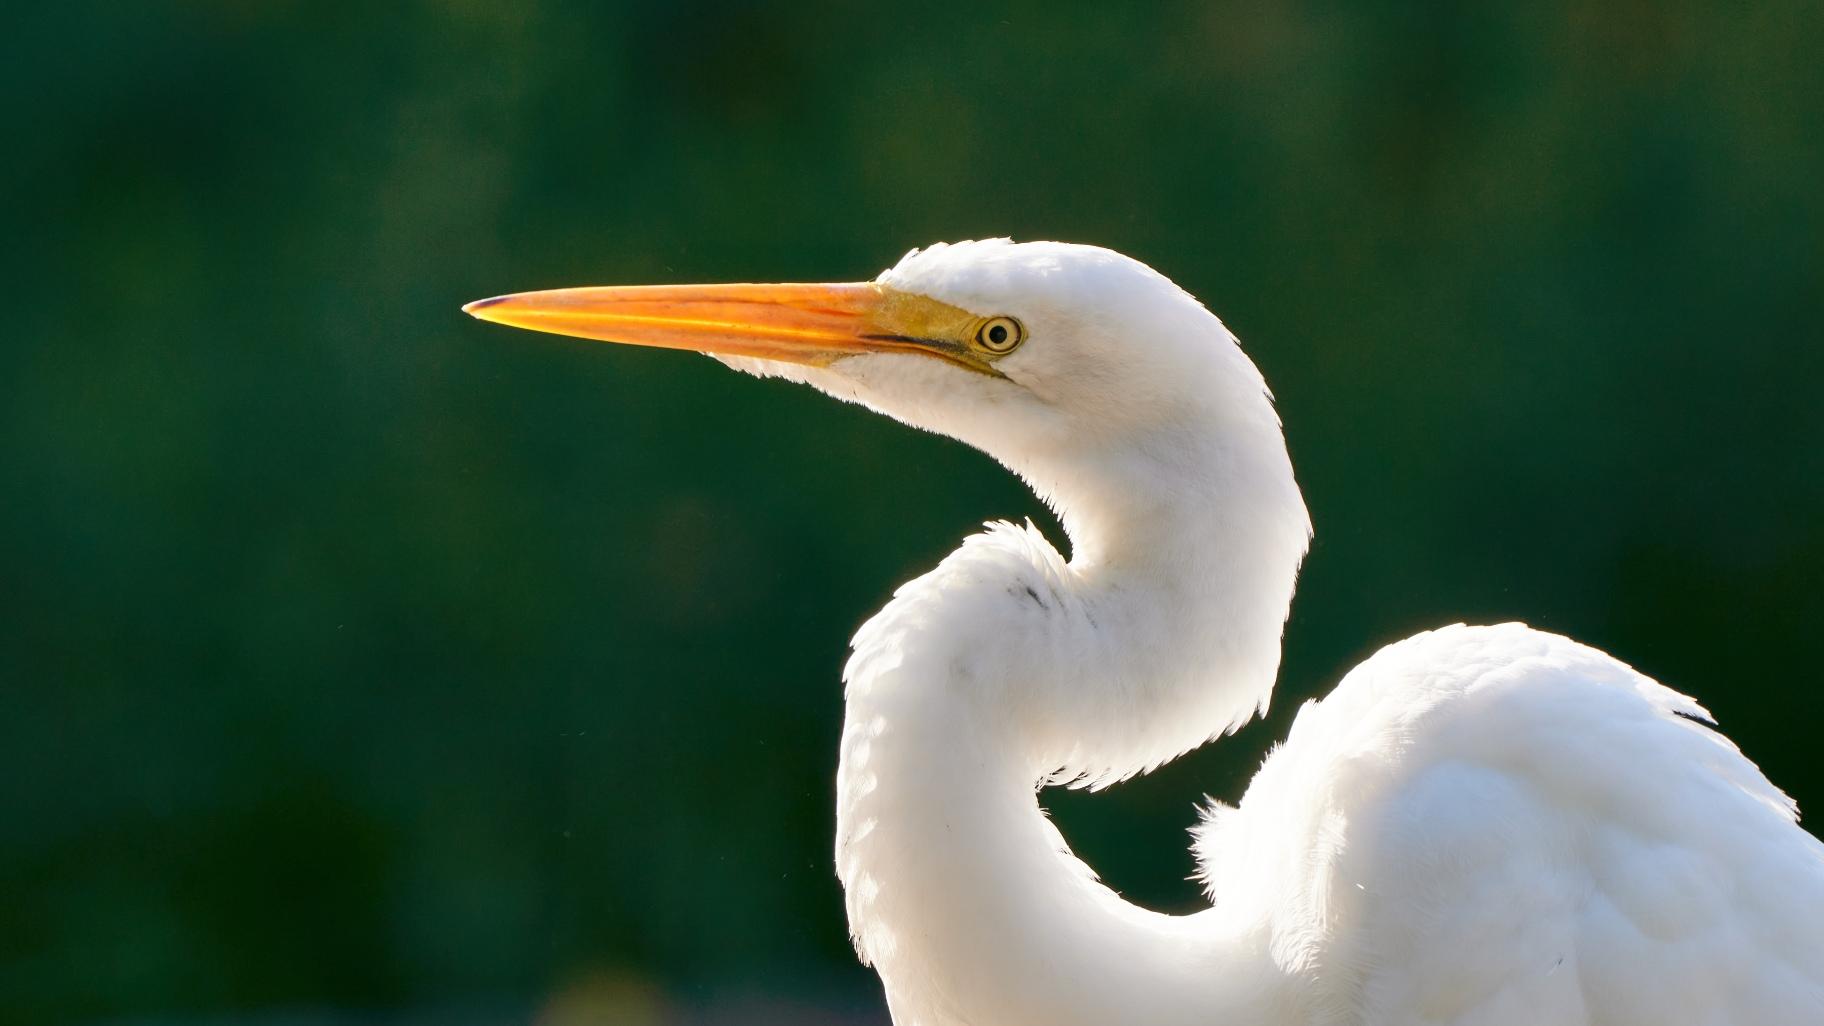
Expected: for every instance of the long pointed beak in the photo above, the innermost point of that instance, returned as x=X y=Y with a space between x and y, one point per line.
x=807 y=324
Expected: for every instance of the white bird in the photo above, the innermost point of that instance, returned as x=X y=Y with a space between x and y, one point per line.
x=1481 y=825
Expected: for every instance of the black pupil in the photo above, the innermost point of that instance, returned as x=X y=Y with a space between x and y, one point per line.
x=997 y=334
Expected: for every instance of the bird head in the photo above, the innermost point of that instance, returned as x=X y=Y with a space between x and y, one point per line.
x=1119 y=398
x=1062 y=361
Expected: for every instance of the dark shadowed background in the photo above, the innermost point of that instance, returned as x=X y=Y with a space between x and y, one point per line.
x=367 y=664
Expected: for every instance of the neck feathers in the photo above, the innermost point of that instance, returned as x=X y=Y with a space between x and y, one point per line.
x=1006 y=668
x=1181 y=580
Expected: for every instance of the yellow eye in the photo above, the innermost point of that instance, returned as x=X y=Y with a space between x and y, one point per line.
x=1000 y=335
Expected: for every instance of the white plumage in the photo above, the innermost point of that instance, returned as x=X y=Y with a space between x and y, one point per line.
x=1481 y=825
x=1499 y=825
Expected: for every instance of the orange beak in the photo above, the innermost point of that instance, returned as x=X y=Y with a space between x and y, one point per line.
x=806 y=324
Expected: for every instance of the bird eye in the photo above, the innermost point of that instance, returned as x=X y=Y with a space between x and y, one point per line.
x=1000 y=335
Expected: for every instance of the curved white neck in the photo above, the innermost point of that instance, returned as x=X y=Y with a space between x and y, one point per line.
x=982 y=678
x=969 y=904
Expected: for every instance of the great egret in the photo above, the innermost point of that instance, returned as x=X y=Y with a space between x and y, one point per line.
x=1480 y=825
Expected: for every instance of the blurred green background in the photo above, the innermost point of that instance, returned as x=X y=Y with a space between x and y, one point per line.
x=365 y=663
